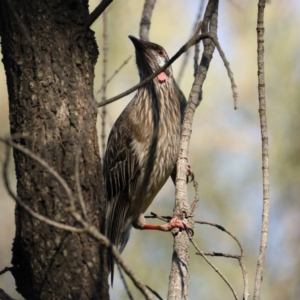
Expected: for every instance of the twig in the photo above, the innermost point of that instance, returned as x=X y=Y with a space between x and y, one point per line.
x=97 y=12
x=214 y=267
x=146 y=19
x=194 y=204
x=81 y=132
x=265 y=149
x=125 y=284
x=105 y=52
x=197 y=46
x=220 y=254
x=154 y=293
x=86 y=227
x=6 y=269
x=187 y=54
x=23 y=205
x=241 y=257
x=195 y=39
x=113 y=75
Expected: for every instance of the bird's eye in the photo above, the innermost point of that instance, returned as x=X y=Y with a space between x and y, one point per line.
x=160 y=52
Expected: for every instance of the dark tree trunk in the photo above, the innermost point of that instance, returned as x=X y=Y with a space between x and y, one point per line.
x=49 y=58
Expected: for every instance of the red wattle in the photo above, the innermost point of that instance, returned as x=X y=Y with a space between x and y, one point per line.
x=162 y=77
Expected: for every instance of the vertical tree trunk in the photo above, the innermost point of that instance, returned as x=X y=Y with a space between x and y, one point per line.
x=49 y=58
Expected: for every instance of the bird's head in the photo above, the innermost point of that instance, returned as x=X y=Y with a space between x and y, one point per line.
x=149 y=58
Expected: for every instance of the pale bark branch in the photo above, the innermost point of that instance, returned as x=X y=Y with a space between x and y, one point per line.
x=180 y=260
x=265 y=149
x=146 y=19
x=187 y=54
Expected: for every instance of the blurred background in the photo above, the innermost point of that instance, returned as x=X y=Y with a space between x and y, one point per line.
x=225 y=150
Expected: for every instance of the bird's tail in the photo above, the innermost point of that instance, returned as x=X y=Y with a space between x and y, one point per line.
x=116 y=233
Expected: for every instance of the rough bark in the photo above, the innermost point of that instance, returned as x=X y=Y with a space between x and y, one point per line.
x=49 y=58
x=178 y=279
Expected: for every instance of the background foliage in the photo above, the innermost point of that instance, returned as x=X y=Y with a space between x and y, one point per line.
x=225 y=151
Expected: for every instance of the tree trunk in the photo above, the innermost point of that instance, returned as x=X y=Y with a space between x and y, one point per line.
x=49 y=58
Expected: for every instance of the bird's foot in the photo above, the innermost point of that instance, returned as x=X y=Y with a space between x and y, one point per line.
x=189 y=173
x=173 y=223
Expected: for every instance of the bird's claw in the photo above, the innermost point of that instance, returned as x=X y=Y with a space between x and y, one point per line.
x=177 y=223
x=190 y=173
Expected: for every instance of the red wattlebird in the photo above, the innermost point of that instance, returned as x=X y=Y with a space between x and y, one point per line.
x=142 y=148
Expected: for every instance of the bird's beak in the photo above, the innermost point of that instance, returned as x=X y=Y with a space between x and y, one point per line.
x=138 y=44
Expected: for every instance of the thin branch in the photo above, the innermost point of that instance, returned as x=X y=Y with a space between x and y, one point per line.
x=81 y=132
x=6 y=269
x=265 y=149
x=194 y=204
x=215 y=268
x=105 y=55
x=187 y=54
x=146 y=19
x=197 y=46
x=23 y=205
x=125 y=284
x=113 y=75
x=97 y=12
x=241 y=257
x=220 y=254
x=195 y=39
x=154 y=293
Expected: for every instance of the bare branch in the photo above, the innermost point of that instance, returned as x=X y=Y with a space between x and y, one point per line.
x=219 y=254
x=180 y=260
x=215 y=268
x=22 y=204
x=125 y=284
x=6 y=269
x=96 y=13
x=113 y=75
x=241 y=257
x=265 y=149
x=146 y=19
x=187 y=54
x=154 y=293
x=82 y=129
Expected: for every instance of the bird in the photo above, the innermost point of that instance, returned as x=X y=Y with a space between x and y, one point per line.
x=142 y=149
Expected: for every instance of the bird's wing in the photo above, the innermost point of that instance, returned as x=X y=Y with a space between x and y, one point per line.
x=121 y=172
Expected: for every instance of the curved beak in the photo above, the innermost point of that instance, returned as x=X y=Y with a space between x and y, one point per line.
x=138 y=44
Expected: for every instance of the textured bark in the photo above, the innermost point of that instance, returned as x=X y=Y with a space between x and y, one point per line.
x=265 y=149
x=178 y=279
x=49 y=58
